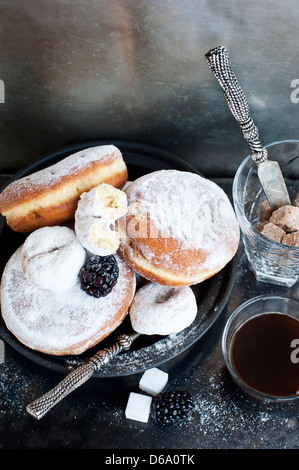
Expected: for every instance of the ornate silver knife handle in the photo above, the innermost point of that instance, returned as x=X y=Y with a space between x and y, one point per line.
x=79 y=376
x=219 y=63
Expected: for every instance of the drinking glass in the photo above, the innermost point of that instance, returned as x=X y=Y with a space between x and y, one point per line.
x=271 y=261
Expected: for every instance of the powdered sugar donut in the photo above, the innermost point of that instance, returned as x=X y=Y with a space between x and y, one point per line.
x=162 y=310
x=62 y=323
x=52 y=258
x=180 y=228
x=96 y=213
x=103 y=201
x=50 y=196
x=97 y=235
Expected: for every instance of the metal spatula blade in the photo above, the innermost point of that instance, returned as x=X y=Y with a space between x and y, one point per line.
x=269 y=171
x=273 y=184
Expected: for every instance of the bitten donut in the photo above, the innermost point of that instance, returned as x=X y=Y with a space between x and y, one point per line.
x=50 y=196
x=62 y=323
x=162 y=310
x=95 y=217
x=180 y=228
x=97 y=235
x=102 y=201
x=52 y=258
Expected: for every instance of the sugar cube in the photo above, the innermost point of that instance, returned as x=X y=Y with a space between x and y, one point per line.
x=153 y=381
x=265 y=211
x=291 y=239
x=138 y=407
x=261 y=225
x=273 y=232
x=286 y=217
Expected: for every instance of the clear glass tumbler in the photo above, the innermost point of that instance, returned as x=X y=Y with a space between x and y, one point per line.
x=271 y=261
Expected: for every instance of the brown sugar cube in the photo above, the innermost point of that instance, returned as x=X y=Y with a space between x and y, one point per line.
x=273 y=232
x=265 y=211
x=261 y=225
x=296 y=202
x=287 y=218
x=291 y=239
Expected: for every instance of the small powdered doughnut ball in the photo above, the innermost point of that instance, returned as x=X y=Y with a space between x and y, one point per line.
x=52 y=258
x=162 y=310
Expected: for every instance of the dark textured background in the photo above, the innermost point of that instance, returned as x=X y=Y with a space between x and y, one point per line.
x=135 y=70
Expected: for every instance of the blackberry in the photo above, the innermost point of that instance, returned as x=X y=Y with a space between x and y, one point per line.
x=168 y=407
x=99 y=275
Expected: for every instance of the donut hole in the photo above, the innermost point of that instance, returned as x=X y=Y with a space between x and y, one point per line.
x=165 y=296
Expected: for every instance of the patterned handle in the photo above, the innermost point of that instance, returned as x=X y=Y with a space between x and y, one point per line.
x=79 y=376
x=219 y=63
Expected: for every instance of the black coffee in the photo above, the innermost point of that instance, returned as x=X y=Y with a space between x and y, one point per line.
x=261 y=354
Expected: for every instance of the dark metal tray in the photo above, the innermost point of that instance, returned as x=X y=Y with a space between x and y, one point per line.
x=146 y=351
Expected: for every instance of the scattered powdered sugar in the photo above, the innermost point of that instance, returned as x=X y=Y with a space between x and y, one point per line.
x=55 y=321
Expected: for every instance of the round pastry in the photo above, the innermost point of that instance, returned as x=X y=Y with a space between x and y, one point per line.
x=96 y=213
x=52 y=258
x=62 y=323
x=50 y=196
x=180 y=228
x=162 y=310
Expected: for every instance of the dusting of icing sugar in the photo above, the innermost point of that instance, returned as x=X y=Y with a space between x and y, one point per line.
x=52 y=258
x=70 y=165
x=162 y=310
x=48 y=321
x=189 y=208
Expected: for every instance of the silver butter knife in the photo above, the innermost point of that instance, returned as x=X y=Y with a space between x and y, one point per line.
x=39 y=407
x=269 y=171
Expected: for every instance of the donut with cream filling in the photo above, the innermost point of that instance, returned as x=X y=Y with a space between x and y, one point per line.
x=50 y=196
x=180 y=228
x=96 y=213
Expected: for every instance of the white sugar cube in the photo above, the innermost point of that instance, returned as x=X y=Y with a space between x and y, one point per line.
x=138 y=407
x=153 y=381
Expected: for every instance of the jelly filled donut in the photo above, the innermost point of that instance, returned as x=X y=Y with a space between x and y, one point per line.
x=180 y=228
x=50 y=196
x=66 y=322
x=162 y=310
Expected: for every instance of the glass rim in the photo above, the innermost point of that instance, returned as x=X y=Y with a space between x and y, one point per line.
x=226 y=350
x=239 y=207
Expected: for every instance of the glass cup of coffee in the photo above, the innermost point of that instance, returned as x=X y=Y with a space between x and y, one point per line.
x=260 y=346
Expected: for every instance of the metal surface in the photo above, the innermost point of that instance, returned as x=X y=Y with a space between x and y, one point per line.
x=135 y=70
